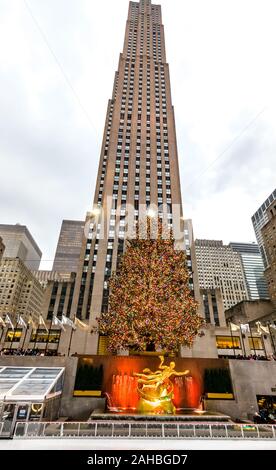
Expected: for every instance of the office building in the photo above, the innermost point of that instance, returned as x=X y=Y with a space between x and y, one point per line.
x=213 y=307
x=69 y=246
x=19 y=243
x=269 y=240
x=219 y=266
x=253 y=268
x=191 y=261
x=59 y=296
x=138 y=168
x=259 y=219
x=20 y=292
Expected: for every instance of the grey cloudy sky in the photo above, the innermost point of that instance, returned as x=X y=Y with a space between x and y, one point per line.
x=57 y=64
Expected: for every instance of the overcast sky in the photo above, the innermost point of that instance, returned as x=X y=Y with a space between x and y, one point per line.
x=57 y=64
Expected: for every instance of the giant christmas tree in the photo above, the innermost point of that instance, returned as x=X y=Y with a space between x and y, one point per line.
x=150 y=302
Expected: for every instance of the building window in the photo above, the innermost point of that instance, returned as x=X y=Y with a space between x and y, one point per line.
x=13 y=335
x=255 y=343
x=226 y=342
x=41 y=336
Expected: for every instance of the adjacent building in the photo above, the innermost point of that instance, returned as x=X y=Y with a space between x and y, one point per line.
x=59 y=295
x=220 y=267
x=253 y=268
x=259 y=219
x=69 y=246
x=191 y=261
x=19 y=243
x=44 y=277
x=269 y=240
x=213 y=308
x=20 y=292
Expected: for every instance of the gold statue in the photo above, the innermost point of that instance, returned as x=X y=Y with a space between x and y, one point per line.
x=156 y=390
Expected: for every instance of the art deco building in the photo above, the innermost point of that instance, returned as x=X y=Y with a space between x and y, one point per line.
x=20 y=292
x=269 y=240
x=213 y=308
x=69 y=246
x=259 y=219
x=19 y=243
x=221 y=267
x=138 y=168
x=253 y=268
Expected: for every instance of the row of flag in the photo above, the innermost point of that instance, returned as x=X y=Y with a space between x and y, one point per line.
x=41 y=323
x=245 y=328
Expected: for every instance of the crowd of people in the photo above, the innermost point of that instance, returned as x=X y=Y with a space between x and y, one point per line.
x=28 y=352
x=252 y=357
x=265 y=416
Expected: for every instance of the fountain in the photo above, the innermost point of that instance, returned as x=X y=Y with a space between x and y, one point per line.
x=153 y=392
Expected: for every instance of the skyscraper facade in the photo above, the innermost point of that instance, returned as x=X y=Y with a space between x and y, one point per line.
x=19 y=243
x=69 y=246
x=259 y=219
x=269 y=239
x=219 y=266
x=20 y=293
x=138 y=170
x=253 y=268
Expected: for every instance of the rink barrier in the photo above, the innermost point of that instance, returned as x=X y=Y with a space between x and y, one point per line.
x=141 y=430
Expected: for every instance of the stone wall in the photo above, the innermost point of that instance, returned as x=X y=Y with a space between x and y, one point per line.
x=249 y=378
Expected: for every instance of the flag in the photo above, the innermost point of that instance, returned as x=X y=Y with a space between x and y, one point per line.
x=21 y=321
x=67 y=321
x=245 y=328
x=31 y=322
x=56 y=321
x=81 y=325
x=234 y=327
x=42 y=322
x=265 y=329
x=8 y=321
x=2 y=322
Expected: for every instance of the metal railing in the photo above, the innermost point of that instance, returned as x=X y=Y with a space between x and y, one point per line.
x=143 y=430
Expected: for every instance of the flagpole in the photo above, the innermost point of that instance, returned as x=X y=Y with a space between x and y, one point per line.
x=46 y=347
x=243 y=347
x=252 y=340
x=58 y=340
x=271 y=337
x=3 y=329
x=233 y=346
x=71 y=336
x=35 y=341
x=14 y=331
x=264 y=345
x=23 y=344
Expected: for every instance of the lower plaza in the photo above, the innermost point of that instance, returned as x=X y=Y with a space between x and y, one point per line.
x=96 y=401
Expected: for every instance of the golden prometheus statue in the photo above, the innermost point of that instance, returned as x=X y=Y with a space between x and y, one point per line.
x=156 y=390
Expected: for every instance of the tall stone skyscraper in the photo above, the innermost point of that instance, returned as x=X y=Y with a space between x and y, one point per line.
x=138 y=170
